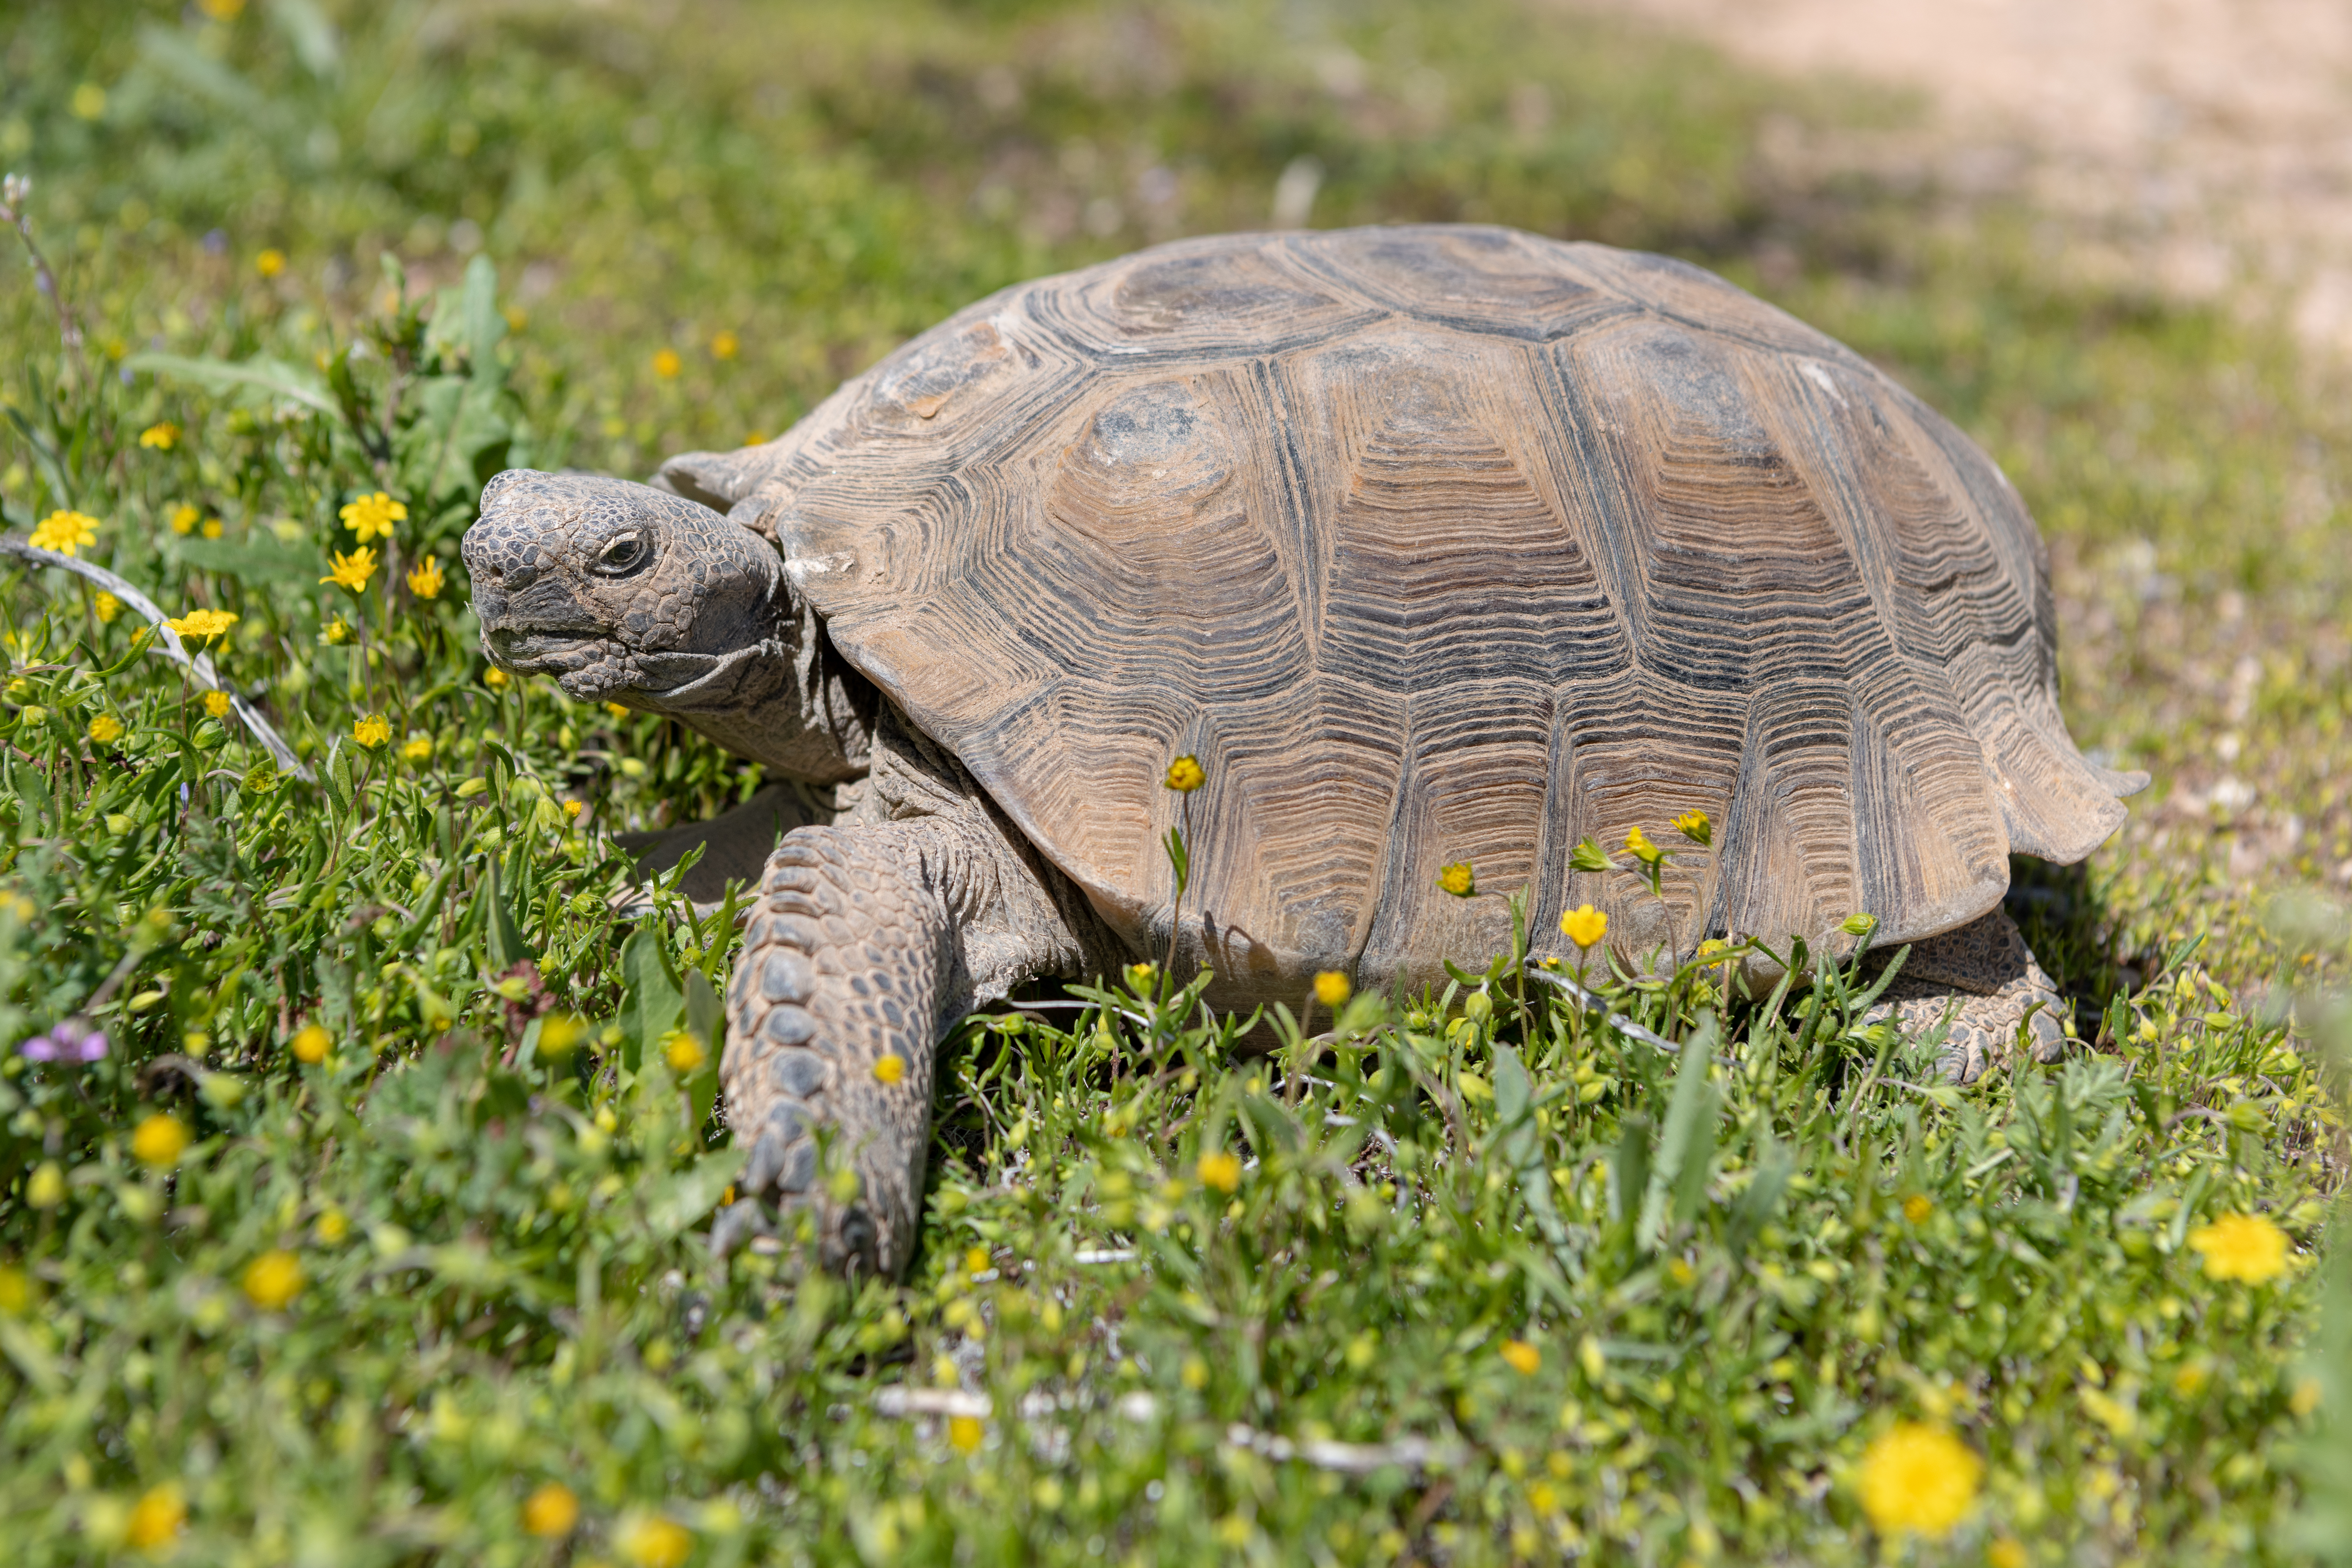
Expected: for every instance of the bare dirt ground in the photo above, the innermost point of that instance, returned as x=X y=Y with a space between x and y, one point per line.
x=2205 y=145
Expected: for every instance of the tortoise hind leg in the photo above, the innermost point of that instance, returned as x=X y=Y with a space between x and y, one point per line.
x=1987 y=970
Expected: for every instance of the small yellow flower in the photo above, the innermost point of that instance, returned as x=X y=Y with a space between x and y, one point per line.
x=1638 y=845
x=561 y=1033
x=1918 y=1478
x=890 y=1068
x=371 y=731
x=310 y=1045
x=160 y=1141
x=724 y=344
x=976 y=1260
x=159 y=437
x=270 y=262
x=666 y=364
x=2242 y=1246
x=1522 y=1357
x=67 y=533
x=575 y=809
x=16 y=1292
x=1458 y=879
x=1918 y=1207
x=683 y=1052
x=550 y=1511
x=964 y=1434
x=1695 y=827
x=184 y=519
x=425 y=578
x=1332 y=989
x=212 y=529
x=372 y=516
x=1194 y=1371
x=333 y=1226
x=1584 y=926
x=273 y=1280
x=650 y=1541
x=353 y=571
x=156 y=1518
x=1142 y=977
x=202 y=625
x=616 y=711
x=106 y=607
x=2006 y=1551
x=106 y=729
x=417 y=749
x=1221 y=1170
x=1185 y=774
x=45 y=1187
x=494 y=679
x=335 y=633
x=218 y=705
x=89 y=100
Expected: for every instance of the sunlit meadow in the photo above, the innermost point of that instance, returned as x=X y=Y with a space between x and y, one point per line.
x=357 y=1128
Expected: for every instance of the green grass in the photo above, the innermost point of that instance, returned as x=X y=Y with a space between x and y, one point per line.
x=1734 y=1276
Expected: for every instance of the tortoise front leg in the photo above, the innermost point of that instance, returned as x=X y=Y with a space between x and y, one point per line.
x=834 y=1016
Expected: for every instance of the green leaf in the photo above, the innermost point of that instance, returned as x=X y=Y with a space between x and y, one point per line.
x=651 y=1003
x=276 y=378
x=685 y=1195
x=1687 y=1143
x=503 y=937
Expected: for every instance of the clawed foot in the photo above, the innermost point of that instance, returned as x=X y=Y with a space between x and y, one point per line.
x=1987 y=970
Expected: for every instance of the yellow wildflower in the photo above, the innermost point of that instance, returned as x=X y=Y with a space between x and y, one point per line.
x=425 y=578
x=964 y=1434
x=1523 y=1357
x=371 y=731
x=1918 y=1207
x=550 y=1511
x=310 y=1045
x=1332 y=989
x=890 y=1068
x=106 y=729
x=184 y=519
x=976 y=1260
x=156 y=1518
x=494 y=679
x=2006 y=1551
x=666 y=364
x=417 y=749
x=372 y=516
x=1584 y=925
x=574 y=808
x=212 y=529
x=1918 y=1478
x=335 y=633
x=218 y=705
x=1185 y=774
x=353 y=571
x=1221 y=1170
x=1458 y=879
x=202 y=625
x=2242 y=1246
x=270 y=262
x=106 y=607
x=724 y=344
x=616 y=711
x=159 y=437
x=1142 y=977
x=45 y=1187
x=273 y=1280
x=67 y=533
x=1695 y=827
x=333 y=1226
x=650 y=1541
x=160 y=1141
x=560 y=1033
x=683 y=1052
x=1638 y=845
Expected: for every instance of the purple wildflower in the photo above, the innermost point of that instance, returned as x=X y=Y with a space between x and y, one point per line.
x=73 y=1040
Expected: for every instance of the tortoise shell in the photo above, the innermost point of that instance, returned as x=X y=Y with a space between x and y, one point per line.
x=1440 y=544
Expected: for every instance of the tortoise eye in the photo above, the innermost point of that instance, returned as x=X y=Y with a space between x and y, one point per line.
x=622 y=553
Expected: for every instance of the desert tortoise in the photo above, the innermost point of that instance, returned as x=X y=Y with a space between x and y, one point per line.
x=1434 y=544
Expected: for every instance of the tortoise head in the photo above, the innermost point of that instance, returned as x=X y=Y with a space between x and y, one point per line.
x=621 y=591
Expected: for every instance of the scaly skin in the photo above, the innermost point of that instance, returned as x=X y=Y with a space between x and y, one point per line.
x=1987 y=969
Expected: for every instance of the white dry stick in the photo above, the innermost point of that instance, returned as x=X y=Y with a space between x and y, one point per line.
x=1348 y=1458
x=167 y=643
